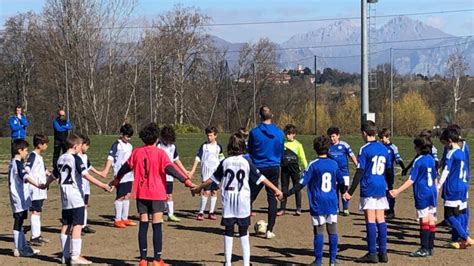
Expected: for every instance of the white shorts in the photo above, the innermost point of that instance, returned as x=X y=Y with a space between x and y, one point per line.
x=346 y=180
x=455 y=203
x=324 y=219
x=371 y=203
x=425 y=212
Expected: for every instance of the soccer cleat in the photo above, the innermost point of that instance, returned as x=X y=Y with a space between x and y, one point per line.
x=420 y=253
x=173 y=218
x=200 y=217
x=390 y=215
x=16 y=253
x=29 y=249
x=65 y=260
x=368 y=258
x=88 y=230
x=346 y=213
x=280 y=213
x=430 y=252
x=269 y=235
x=453 y=245
x=332 y=263
x=383 y=258
x=80 y=261
x=298 y=212
x=129 y=223
x=44 y=240
x=119 y=224
x=22 y=253
x=143 y=262
x=36 y=242
x=159 y=263
x=212 y=216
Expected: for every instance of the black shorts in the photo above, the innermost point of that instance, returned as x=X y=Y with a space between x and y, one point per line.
x=169 y=187
x=36 y=206
x=20 y=215
x=124 y=188
x=212 y=187
x=238 y=221
x=150 y=206
x=73 y=216
x=86 y=199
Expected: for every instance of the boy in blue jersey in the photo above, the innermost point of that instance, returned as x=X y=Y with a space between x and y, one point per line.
x=322 y=177
x=373 y=170
x=339 y=151
x=428 y=134
x=423 y=179
x=395 y=158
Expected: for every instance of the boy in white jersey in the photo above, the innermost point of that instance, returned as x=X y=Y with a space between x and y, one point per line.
x=70 y=171
x=119 y=153
x=167 y=143
x=209 y=155
x=36 y=169
x=19 y=190
x=235 y=173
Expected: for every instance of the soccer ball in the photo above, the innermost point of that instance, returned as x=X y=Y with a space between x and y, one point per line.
x=260 y=227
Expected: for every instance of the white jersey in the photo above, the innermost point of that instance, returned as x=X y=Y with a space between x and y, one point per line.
x=19 y=189
x=119 y=154
x=172 y=153
x=209 y=155
x=235 y=173
x=70 y=170
x=86 y=185
x=37 y=171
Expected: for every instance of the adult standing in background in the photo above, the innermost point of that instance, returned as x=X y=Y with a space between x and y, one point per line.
x=18 y=124
x=61 y=130
x=266 y=147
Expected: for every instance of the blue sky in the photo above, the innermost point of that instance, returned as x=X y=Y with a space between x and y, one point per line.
x=228 y=11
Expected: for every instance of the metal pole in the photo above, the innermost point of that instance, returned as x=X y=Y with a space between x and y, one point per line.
x=67 y=90
x=151 y=101
x=227 y=106
x=391 y=92
x=315 y=96
x=364 y=64
x=254 y=95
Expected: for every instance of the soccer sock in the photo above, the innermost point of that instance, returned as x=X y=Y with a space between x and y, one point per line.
x=318 y=248
x=332 y=247
x=16 y=239
x=212 y=206
x=457 y=226
x=125 y=208
x=118 y=210
x=85 y=218
x=23 y=243
x=432 y=235
x=202 y=207
x=228 y=249
x=142 y=240
x=65 y=245
x=425 y=236
x=157 y=241
x=76 y=245
x=35 y=226
x=170 y=208
x=382 y=227
x=345 y=204
x=245 y=245
x=372 y=237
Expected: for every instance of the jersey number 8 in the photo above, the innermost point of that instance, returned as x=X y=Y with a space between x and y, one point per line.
x=326 y=182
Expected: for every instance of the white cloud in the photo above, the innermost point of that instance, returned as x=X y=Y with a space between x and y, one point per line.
x=436 y=22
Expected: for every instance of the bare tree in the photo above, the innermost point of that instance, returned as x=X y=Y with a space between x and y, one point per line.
x=456 y=68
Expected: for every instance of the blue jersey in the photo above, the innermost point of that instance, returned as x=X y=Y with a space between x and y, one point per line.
x=373 y=160
x=454 y=178
x=321 y=177
x=395 y=157
x=423 y=174
x=339 y=152
x=465 y=149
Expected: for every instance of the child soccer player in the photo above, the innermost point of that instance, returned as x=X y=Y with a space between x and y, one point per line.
x=234 y=173
x=293 y=160
x=18 y=180
x=372 y=172
x=70 y=171
x=37 y=171
x=339 y=151
x=119 y=153
x=384 y=136
x=150 y=165
x=209 y=155
x=428 y=134
x=423 y=179
x=322 y=177
x=245 y=134
x=167 y=140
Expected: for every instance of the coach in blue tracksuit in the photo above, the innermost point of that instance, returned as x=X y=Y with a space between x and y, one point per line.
x=18 y=124
x=266 y=147
x=61 y=127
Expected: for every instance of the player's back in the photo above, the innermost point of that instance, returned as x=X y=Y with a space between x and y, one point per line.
x=374 y=159
x=37 y=171
x=423 y=174
x=455 y=185
x=70 y=169
x=19 y=191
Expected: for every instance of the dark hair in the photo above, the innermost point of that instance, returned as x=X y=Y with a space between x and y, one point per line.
x=211 y=129
x=85 y=139
x=423 y=144
x=456 y=128
x=126 y=130
x=385 y=132
x=333 y=130
x=149 y=134
x=72 y=140
x=39 y=139
x=265 y=113
x=236 y=145
x=168 y=135
x=17 y=107
x=369 y=127
x=290 y=129
x=450 y=134
x=243 y=131
x=427 y=133
x=19 y=144
x=321 y=145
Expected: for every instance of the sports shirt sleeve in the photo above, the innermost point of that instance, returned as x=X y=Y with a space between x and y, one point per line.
x=447 y=167
x=199 y=153
x=348 y=149
x=80 y=166
x=339 y=177
x=113 y=151
x=30 y=161
x=362 y=160
x=24 y=121
x=175 y=154
x=307 y=175
x=254 y=174
x=22 y=174
x=218 y=174
x=414 y=172
x=221 y=153
x=396 y=153
x=301 y=156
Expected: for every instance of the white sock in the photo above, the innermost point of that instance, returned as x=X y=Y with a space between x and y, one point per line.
x=76 y=245
x=118 y=210
x=228 y=250
x=212 y=208
x=203 y=204
x=85 y=218
x=16 y=239
x=35 y=226
x=125 y=208
x=245 y=246
x=66 y=245
x=170 y=208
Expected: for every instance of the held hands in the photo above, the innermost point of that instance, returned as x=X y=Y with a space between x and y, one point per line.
x=195 y=189
x=279 y=195
x=394 y=193
x=404 y=171
x=347 y=196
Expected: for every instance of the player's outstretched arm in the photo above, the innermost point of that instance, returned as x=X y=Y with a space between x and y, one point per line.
x=172 y=171
x=197 y=189
x=355 y=182
x=96 y=182
x=193 y=169
x=406 y=168
x=270 y=185
x=181 y=166
x=395 y=192
x=390 y=177
x=107 y=166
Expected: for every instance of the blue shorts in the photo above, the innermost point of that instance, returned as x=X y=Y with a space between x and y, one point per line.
x=73 y=216
x=36 y=206
x=124 y=188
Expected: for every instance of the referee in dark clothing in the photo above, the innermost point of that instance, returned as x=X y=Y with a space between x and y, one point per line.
x=61 y=126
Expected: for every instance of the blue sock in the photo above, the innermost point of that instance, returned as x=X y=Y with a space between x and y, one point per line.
x=332 y=247
x=318 y=248
x=142 y=239
x=157 y=241
x=456 y=224
x=467 y=216
x=372 y=237
x=382 y=237
x=345 y=204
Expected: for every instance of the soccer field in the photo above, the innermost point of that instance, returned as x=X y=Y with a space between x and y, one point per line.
x=194 y=242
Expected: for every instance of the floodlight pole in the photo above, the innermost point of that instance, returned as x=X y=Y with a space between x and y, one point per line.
x=150 y=91
x=67 y=90
x=391 y=91
x=315 y=96
x=254 y=94
x=364 y=86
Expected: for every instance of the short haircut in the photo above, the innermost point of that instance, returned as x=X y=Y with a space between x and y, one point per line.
x=385 y=132
x=427 y=133
x=333 y=130
x=369 y=127
x=423 y=144
x=149 y=134
x=126 y=130
x=243 y=131
x=39 y=139
x=85 y=139
x=450 y=134
x=265 y=113
x=321 y=145
x=167 y=134
x=236 y=145
x=72 y=140
x=17 y=107
x=290 y=129
x=456 y=128
x=19 y=144
x=211 y=129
